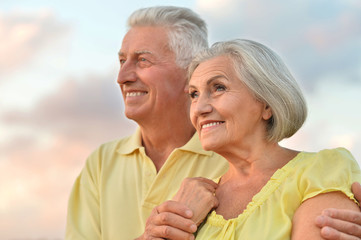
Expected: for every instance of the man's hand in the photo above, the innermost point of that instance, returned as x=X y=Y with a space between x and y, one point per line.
x=338 y=224
x=198 y=195
x=170 y=220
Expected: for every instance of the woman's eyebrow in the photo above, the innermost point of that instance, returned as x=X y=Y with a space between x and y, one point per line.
x=212 y=79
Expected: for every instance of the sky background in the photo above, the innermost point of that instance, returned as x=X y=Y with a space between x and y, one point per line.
x=59 y=99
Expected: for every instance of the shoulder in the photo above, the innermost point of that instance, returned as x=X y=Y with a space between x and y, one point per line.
x=106 y=153
x=122 y=146
x=326 y=171
x=324 y=181
x=328 y=160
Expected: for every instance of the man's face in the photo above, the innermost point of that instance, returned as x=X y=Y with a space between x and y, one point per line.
x=152 y=84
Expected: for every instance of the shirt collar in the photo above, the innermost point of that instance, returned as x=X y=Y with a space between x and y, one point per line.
x=194 y=145
x=134 y=142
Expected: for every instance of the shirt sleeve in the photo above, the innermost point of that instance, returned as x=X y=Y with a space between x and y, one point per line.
x=329 y=171
x=83 y=219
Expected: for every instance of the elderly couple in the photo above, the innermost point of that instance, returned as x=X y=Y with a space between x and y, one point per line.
x=231 y=179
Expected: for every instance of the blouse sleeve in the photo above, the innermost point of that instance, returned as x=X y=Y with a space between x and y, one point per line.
x=328 y=171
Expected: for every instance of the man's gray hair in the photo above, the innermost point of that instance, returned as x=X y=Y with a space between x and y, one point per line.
x=187 y=32
x=268 y=78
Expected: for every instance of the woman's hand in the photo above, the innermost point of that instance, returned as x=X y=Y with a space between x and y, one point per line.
x=170 y=220
x=341 y=224
x=179 y=218
x=198 y=195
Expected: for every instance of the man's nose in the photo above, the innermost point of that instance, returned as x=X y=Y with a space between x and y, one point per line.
x=127 y=73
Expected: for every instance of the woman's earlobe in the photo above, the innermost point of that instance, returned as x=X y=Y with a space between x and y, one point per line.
x=267 y=112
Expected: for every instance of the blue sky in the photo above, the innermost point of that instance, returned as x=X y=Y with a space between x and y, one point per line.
x=59 y=98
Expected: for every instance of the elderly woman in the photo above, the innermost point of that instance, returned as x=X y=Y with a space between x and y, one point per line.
x=244 y=101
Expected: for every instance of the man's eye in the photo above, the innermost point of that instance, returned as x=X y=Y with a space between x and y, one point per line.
x=144 y=62
x=193 y=94
x=122 y=61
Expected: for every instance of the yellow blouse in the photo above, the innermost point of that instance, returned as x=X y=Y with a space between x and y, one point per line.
x=269 y=214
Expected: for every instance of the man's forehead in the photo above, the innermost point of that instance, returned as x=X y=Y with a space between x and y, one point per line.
x=145 y=39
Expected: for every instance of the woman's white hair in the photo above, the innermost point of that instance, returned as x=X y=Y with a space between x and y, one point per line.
x=187 y=32
x=268 y=78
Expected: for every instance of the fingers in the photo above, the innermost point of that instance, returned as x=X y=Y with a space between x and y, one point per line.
x=339 y=224
x=176 y=208
x=356 y=189
x=332 y=234
x=200 y=181
x=168 y=232
x=166 y=223
x=176 y=216
x=343 y=214
x=198 y=194
x=207 y=181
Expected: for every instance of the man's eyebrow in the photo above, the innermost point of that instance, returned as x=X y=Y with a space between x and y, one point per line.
x=121 y=54
x=143 y=52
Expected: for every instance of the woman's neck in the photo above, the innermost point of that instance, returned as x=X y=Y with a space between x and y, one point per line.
x=262 y=159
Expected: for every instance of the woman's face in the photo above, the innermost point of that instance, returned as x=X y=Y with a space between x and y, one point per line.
x=223 y=110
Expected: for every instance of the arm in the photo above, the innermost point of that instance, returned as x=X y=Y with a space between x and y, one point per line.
x=303 y=220
x=338 y=224
x=83 y=211
x=178 y=219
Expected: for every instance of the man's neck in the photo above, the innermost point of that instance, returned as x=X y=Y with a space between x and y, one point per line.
x=159 y=141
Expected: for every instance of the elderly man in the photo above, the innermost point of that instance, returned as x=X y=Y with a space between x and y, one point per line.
x=122 y=191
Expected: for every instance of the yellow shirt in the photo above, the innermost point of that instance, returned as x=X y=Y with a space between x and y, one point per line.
x=269 y=214
x=119 y=186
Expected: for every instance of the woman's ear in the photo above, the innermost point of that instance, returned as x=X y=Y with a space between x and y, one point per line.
x=267 y=112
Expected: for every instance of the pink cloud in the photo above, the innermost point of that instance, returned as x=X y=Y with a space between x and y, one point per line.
x=40 y=163
x=35 y=188
x=79 y=109
x=23 y=35
x=328 y=36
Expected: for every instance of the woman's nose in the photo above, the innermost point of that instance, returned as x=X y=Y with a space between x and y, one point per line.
x=203 y=105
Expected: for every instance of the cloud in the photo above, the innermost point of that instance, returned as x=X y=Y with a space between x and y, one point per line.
x=35 y=184
x=47 y=148
x=313 y=37
x=332 y=120
x=24 y=35
x=79 y=109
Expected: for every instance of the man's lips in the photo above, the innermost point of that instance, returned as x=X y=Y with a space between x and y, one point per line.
x=135 y=93
x=210 y=124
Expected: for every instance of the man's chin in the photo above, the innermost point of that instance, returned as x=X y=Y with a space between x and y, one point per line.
x=134 y=115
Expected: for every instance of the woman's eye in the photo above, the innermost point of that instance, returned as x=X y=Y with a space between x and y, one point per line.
x=220 y=88
x=193 y=94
